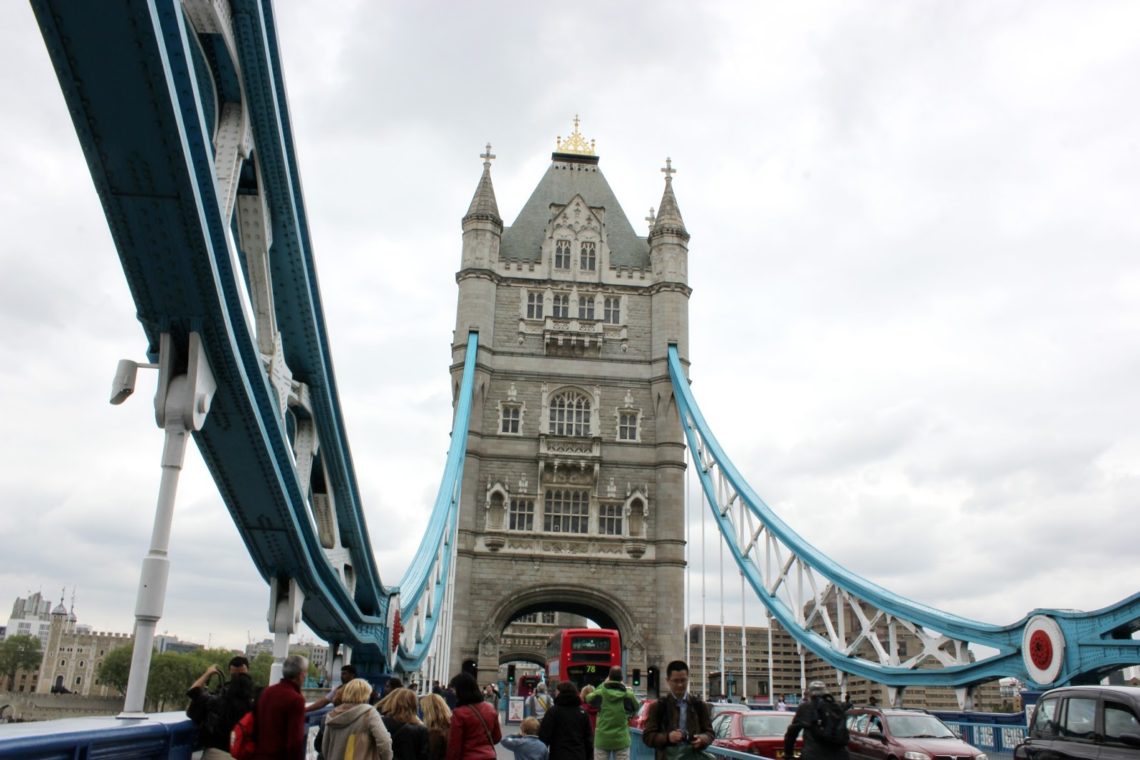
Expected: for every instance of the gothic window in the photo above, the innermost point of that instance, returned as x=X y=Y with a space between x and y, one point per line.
x=511 y=418
x=566 y=511
x=530 y=617
x=570 y=415
x=533 y=305
x=612 y=313
x=548 y=617
x=627 y=426
x=561 y=254
x=561 y=306
x=585 y=307
x=609 y=519
x=589 y=257
x=522 y=514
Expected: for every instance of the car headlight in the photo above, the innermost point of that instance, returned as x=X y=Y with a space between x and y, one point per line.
x=914 y=755
x=981 y=756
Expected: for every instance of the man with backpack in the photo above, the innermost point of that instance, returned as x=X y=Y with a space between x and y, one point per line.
x=215 y=713
x=824 y=723
x=615 y=704
x=538 y=702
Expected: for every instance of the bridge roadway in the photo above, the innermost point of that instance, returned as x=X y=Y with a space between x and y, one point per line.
x=170 y=736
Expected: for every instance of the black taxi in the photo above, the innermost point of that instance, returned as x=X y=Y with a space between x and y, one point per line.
x=1084 y=723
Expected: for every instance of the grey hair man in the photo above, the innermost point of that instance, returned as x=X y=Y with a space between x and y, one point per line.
x=280 y=717
x=823 y=723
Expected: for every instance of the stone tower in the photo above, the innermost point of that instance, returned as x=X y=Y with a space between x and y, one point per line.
x=573 y=488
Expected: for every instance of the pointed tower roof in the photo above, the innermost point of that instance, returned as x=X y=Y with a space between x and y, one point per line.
x=573 y=171
x=59 y=608
x=668 y=213
x=483 y=205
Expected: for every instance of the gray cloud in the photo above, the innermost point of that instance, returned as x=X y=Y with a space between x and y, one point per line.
x=915 y=315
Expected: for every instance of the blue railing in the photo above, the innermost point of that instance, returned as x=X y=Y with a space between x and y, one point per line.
x=161 y=736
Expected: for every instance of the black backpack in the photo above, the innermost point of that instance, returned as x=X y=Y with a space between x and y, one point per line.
x=830 y=726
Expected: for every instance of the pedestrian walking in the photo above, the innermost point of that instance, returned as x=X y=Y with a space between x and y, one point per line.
x=354 y=730
x=437 y=718
x=408 y=732
x=538 y=702
x=280 y=718
x=475 y=726
x=824 y=725
x=678 y=725
x=526 y=745
x=615 y=703
x=565 y=727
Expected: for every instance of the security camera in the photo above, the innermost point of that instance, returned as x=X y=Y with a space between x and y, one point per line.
x=124 y=383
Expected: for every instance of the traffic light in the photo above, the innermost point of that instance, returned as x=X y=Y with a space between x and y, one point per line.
x=654 y=684
x=510 y=673
x=637 y=676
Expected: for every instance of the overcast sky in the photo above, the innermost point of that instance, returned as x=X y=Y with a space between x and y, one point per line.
x=915 y=320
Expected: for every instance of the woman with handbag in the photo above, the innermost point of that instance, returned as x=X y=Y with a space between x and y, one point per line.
x=475 y=726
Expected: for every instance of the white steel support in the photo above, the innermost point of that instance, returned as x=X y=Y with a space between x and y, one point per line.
x=182 y=402
x=285 y=600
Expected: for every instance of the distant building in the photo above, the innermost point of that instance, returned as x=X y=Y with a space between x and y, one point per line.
x=72 y=656
x=31 y=616
x=790 y=671
x=317 y=654
x=167 y=643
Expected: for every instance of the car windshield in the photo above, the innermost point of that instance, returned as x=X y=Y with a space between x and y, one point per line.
x=765 y=725
x=918 y=727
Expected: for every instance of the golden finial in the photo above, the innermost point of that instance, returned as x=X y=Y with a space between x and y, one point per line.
x=575 y=143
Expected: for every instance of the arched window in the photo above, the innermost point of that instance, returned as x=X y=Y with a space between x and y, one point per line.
x=570 y=414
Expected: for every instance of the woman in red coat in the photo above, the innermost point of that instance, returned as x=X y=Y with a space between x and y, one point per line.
x=474 y=723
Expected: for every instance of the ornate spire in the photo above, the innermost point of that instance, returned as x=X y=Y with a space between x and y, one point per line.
x=575 y=143
x=483 y=205
x=668 y=214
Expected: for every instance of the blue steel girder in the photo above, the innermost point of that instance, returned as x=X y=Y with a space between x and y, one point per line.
x=150 y=88
x=855 y=625
x=426 y=583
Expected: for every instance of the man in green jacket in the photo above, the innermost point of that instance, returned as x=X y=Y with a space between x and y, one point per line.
x=615 y=705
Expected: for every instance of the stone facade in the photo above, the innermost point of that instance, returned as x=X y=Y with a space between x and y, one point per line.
x=572 y=496
x=73 y=654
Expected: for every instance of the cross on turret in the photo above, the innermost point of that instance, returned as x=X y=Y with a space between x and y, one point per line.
x=652 y=218
x=487 y=157
x=669 y=171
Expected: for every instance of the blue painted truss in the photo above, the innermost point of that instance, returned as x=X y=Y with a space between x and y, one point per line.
x=857 y=626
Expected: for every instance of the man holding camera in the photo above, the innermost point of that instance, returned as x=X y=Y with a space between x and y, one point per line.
x=678 y=725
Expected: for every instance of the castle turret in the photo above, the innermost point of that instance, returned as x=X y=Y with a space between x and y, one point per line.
x=669 y=257
x=669 y=260
x=482 y=236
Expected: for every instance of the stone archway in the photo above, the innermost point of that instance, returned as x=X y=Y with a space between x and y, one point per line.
x=602 y=607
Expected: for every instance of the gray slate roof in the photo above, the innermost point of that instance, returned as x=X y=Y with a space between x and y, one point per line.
x=562 y=181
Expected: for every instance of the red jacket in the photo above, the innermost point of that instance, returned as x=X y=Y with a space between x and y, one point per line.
x=280 y=723
x=468 y=737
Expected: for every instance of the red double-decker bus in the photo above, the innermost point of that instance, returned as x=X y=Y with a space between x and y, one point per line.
x=526 y=685
x=582 y=655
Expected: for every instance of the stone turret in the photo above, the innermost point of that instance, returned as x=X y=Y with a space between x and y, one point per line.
x=482 y=237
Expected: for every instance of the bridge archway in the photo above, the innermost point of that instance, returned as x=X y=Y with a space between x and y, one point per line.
x=605 y=609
